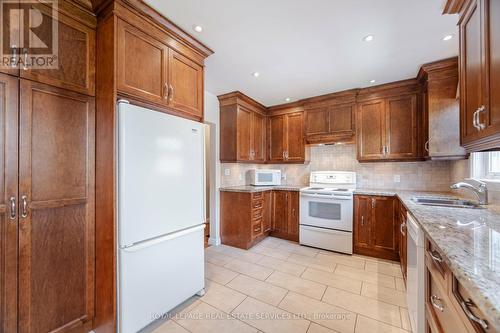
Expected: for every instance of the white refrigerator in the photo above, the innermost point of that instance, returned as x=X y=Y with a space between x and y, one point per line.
x=160 y=214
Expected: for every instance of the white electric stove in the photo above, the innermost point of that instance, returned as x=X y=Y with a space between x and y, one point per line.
x=326 y=211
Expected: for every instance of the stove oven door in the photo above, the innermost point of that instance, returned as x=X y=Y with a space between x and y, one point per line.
x=326 y=211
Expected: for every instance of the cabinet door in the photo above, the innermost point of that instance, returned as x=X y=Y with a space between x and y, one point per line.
x=471 y=92
x=75 y=56
x=56 y=223
x=258 y=137
x=267 y=211
x=9 y=88
x=244 y=126
x=370 y=124
x=316 y=121
x=362 y=216
x=280 y=212
x=185 y=84
x=295 y=150
x=341 y=120
x=293 y=216
x=384 y=228
x=276 y=135
x=141 y=65
x=401 y=127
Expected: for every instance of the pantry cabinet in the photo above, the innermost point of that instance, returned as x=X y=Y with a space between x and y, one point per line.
x=479 y=28
x=389 y=123
x=376 y=226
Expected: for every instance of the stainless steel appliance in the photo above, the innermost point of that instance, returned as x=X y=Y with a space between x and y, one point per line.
x=326 y=211
x=265 y=177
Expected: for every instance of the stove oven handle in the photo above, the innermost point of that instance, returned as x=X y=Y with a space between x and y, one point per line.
x=326 y=196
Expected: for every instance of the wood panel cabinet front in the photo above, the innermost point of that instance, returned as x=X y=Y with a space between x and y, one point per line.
x=276 y=136
x=375 y=228
x=244 y=132
x=285 y=217
x=401 y=132
x=286 y=138
x=258 y=137
x=142 y=65
x=370 y=123
x=56 y=209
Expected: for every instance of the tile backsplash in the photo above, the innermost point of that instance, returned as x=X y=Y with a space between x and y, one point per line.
x=429 y=175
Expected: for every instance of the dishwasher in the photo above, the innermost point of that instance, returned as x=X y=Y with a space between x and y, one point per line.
x=415 y=284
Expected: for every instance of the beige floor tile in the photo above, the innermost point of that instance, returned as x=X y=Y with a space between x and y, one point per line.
x=368 y=307
x=282 y=266
x=256 y=271
x=315 y=328
x=360 y=274
x=332 y=280
x=185 y=307
x=223 y=298
x=405 y=319
x=367 y=325
x=219 y=274
x=272 y=242
x=268 y=318
x=400 y=284
x=312 y=262
x=242 y=254
x=299 y=285
x=383 y=268
x=170 y=327
x=299 y=249
x=388 y=295
x=343 y=259
x=324 y=314
x=262 y=291
x=217 y=258
x=270 y=252
x=207 y=319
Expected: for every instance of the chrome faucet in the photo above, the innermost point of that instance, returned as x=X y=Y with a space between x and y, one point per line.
x=480 y=190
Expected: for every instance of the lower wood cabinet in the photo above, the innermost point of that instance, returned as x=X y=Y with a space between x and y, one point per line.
x=376 y=226
x=247 y=218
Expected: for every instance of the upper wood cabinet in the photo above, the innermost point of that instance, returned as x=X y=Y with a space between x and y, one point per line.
x=376 y=226
x=286 y=138
x=479 y=27
x=151 y=71
x=330 y=118
x=243 y=129
x=389 y=123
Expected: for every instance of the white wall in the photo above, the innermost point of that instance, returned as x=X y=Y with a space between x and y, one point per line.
x=212 y=120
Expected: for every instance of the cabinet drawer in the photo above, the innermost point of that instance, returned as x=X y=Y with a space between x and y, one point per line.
x=257 y=204
x=435 y=263
x=257 y=195
x=257 y=214
x=256 y=227
x=441 y=310
x=473 y=316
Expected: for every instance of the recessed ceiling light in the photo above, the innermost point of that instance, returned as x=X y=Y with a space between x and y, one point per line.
x=198 y=28
x=256 y=74
x=447 y=37
x=288 y=99
x=368 y=38
x=372 y=81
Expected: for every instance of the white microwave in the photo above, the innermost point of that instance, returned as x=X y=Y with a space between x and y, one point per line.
x=265 y=177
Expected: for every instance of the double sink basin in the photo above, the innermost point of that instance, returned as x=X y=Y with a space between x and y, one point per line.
x=446 y=202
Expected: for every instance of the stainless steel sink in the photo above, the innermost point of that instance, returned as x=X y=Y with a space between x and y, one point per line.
x=446 y=202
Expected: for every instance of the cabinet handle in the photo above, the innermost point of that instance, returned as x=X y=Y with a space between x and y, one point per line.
x=474 y=120
x=25 y=63
x=435 y=256
x=171 y=98
x=465 y=306
x=401 y=228
x=362 y=221
x=166 y=91
x=373 y=202
x=13 y=208
x=427 y=146
x=14 y=56
x=434 y=300
x=24 y=212
x=481 y=126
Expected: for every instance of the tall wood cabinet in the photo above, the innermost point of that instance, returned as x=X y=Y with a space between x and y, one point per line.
x=376 y=227
x=389 y=123
x=243 y=129
x=479 y=27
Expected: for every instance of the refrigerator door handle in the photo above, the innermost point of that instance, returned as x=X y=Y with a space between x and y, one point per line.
x=148 y=243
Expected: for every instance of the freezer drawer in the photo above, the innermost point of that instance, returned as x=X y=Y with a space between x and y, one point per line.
x=333 y=240
x=157 y=275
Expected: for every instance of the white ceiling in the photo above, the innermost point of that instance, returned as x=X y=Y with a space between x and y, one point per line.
x=304 y=48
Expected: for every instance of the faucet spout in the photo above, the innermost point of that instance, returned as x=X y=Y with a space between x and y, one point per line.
x=481 y=190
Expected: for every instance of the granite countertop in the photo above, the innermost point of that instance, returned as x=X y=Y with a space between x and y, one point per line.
x=253 y=189
x=469 y=239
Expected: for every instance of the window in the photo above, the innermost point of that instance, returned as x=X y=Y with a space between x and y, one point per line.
x=486 y=165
